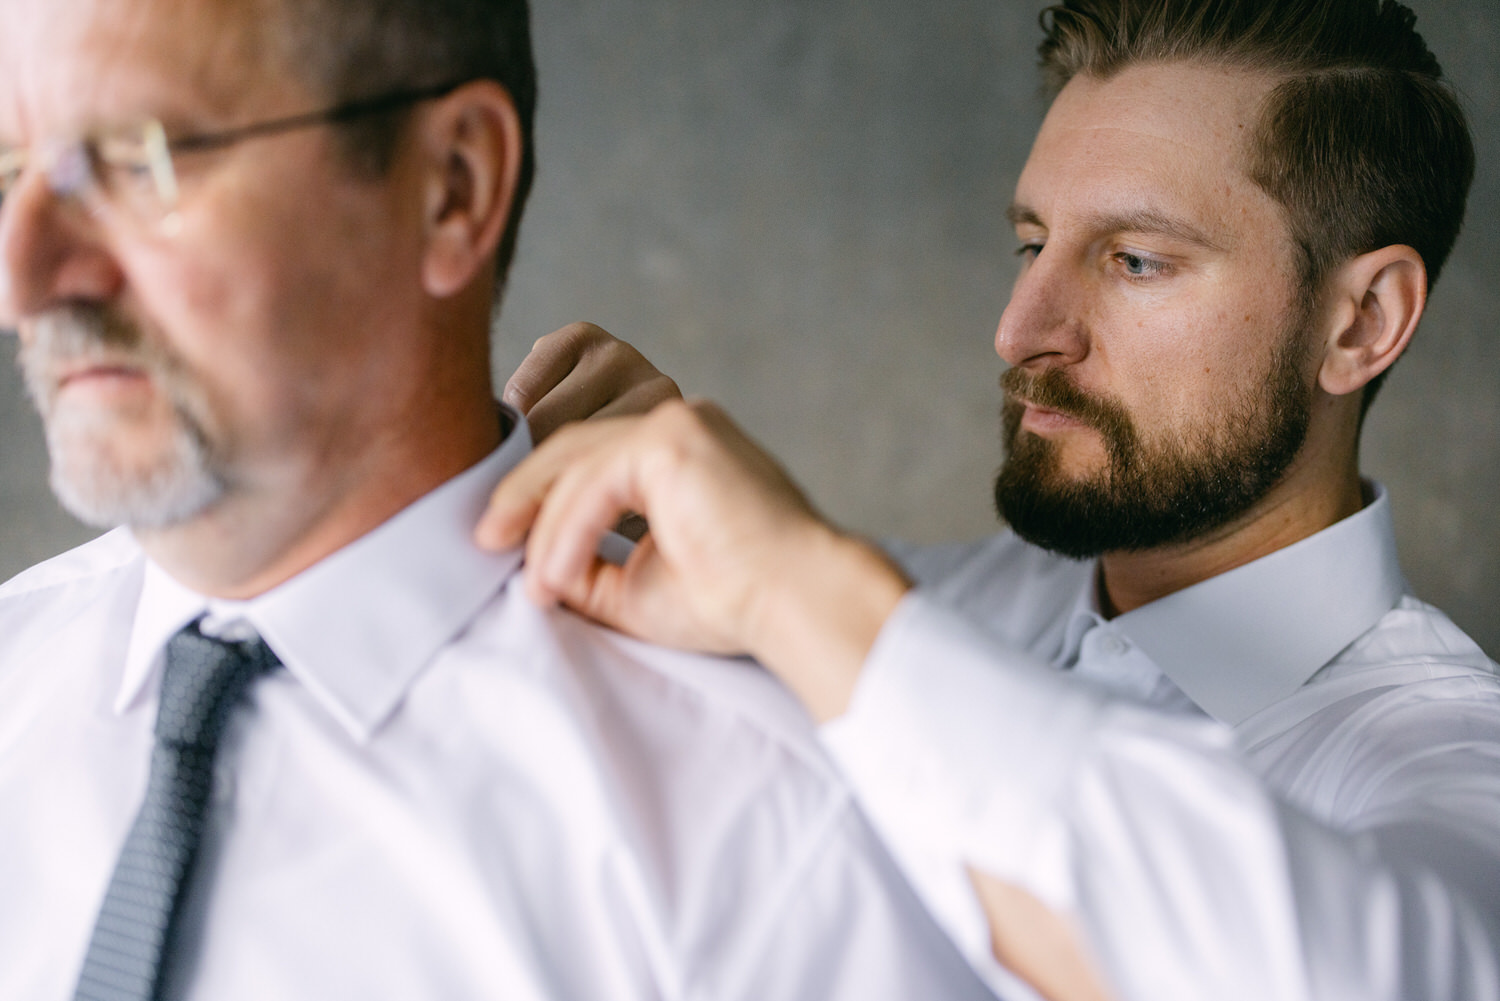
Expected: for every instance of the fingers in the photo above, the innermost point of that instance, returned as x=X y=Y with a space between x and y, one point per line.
x=550 y=360
x=583 y=502
x=609 y=380
x=518 y=497
x=587 y=477
x=642 y=396
x=598 y=589
x=581 y=371
x=729 y=530
x=736 y=559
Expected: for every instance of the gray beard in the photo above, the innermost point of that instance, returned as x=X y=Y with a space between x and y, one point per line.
x=89 y=475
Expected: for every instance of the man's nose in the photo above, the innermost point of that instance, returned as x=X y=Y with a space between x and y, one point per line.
x=1043 y=324
x=51 y=252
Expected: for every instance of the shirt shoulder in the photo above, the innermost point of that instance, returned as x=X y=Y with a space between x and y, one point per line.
x=1416 y=683
x=97 y=557
x=84 y=590
x=647 y=692
x=1407 y=713
x=1411 y=645
x=711 y=755
x=699 y=776
x=1414 y=632
x=67 y=584
x=1018 y=592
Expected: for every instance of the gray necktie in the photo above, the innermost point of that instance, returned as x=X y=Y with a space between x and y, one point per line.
x=132 y=941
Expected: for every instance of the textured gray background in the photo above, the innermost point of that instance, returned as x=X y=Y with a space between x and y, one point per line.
x=797 y=208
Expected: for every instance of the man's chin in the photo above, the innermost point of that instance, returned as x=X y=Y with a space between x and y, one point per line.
x=1079 y=463
x=1085 y=517
x=1063 y=521
x=102 y=488
x=1065 y=498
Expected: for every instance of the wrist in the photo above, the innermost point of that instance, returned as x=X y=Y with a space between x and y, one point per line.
x=816 y=628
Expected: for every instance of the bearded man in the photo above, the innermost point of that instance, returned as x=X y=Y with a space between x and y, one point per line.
x=1182 y=732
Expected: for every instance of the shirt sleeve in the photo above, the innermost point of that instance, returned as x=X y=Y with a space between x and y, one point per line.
x=1190 y=878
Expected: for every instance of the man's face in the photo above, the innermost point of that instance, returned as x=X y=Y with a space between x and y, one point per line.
x=1159 y=342
x=222 y=351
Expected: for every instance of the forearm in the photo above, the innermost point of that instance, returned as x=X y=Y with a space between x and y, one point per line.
x=1188 y=876
x=815 y=624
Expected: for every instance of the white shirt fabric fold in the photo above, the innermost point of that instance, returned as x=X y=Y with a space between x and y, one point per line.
x=447 y=793
x=1283 y=782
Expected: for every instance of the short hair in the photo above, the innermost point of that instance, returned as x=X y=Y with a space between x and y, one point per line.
x=353 y=49
x=1361 y=141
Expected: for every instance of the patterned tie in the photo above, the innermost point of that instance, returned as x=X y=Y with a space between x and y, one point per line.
x=132 y=942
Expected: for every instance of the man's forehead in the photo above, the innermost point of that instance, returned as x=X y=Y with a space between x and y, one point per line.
x=1172 y=100
x=1151 y=137
x=72 y=63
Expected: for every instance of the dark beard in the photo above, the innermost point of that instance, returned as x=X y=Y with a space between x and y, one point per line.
x=1146 y=498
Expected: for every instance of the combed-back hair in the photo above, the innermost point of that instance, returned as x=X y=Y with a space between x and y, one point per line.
x=355 y=49
x=1361 y=140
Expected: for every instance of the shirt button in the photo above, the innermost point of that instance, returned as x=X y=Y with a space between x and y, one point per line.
x=1114 y=646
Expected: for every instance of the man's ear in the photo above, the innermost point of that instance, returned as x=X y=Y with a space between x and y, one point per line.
x=471 y=146
x=1376 y=301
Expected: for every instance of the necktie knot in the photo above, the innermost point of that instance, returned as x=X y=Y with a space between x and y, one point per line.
x=203 y=679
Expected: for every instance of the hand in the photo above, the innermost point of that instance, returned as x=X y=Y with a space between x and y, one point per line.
x=582 y=371
x=736 y=560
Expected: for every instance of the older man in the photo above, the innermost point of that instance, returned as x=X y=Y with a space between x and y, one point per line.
x=1258 y=768
x=289 y=734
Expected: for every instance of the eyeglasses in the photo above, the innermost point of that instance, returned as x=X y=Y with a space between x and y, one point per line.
x=128 y=171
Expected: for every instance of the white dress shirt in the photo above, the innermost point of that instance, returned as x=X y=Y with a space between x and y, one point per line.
x=1281 y=783
x=447 y=793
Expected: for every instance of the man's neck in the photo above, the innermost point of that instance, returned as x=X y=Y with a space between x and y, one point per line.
x=1291 y=512
x=255 y=540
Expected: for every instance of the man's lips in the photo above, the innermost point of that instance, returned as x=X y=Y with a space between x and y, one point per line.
x=1042 y=420
x=100 y=376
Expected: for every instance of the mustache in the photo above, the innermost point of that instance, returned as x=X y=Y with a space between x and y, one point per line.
x=1051 y=389
x=79 y=333
x=83 y=330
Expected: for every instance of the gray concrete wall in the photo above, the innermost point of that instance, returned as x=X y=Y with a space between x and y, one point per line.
x=797 y=208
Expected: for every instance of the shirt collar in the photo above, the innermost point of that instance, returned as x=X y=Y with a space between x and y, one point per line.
x=1243 y=640
x=358 y=626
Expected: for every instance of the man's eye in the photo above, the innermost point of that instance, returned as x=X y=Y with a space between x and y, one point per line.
x=126 y=179
x=1028 y=251
x=1140 y=267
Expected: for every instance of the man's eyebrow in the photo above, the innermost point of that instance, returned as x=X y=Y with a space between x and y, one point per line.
x=1139 y=221
x=1152 y=221
x=1022 y=215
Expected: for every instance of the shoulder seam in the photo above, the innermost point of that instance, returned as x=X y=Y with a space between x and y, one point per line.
x=33 y=580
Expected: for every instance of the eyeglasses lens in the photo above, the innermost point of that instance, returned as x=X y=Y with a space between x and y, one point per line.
x=126 y=173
